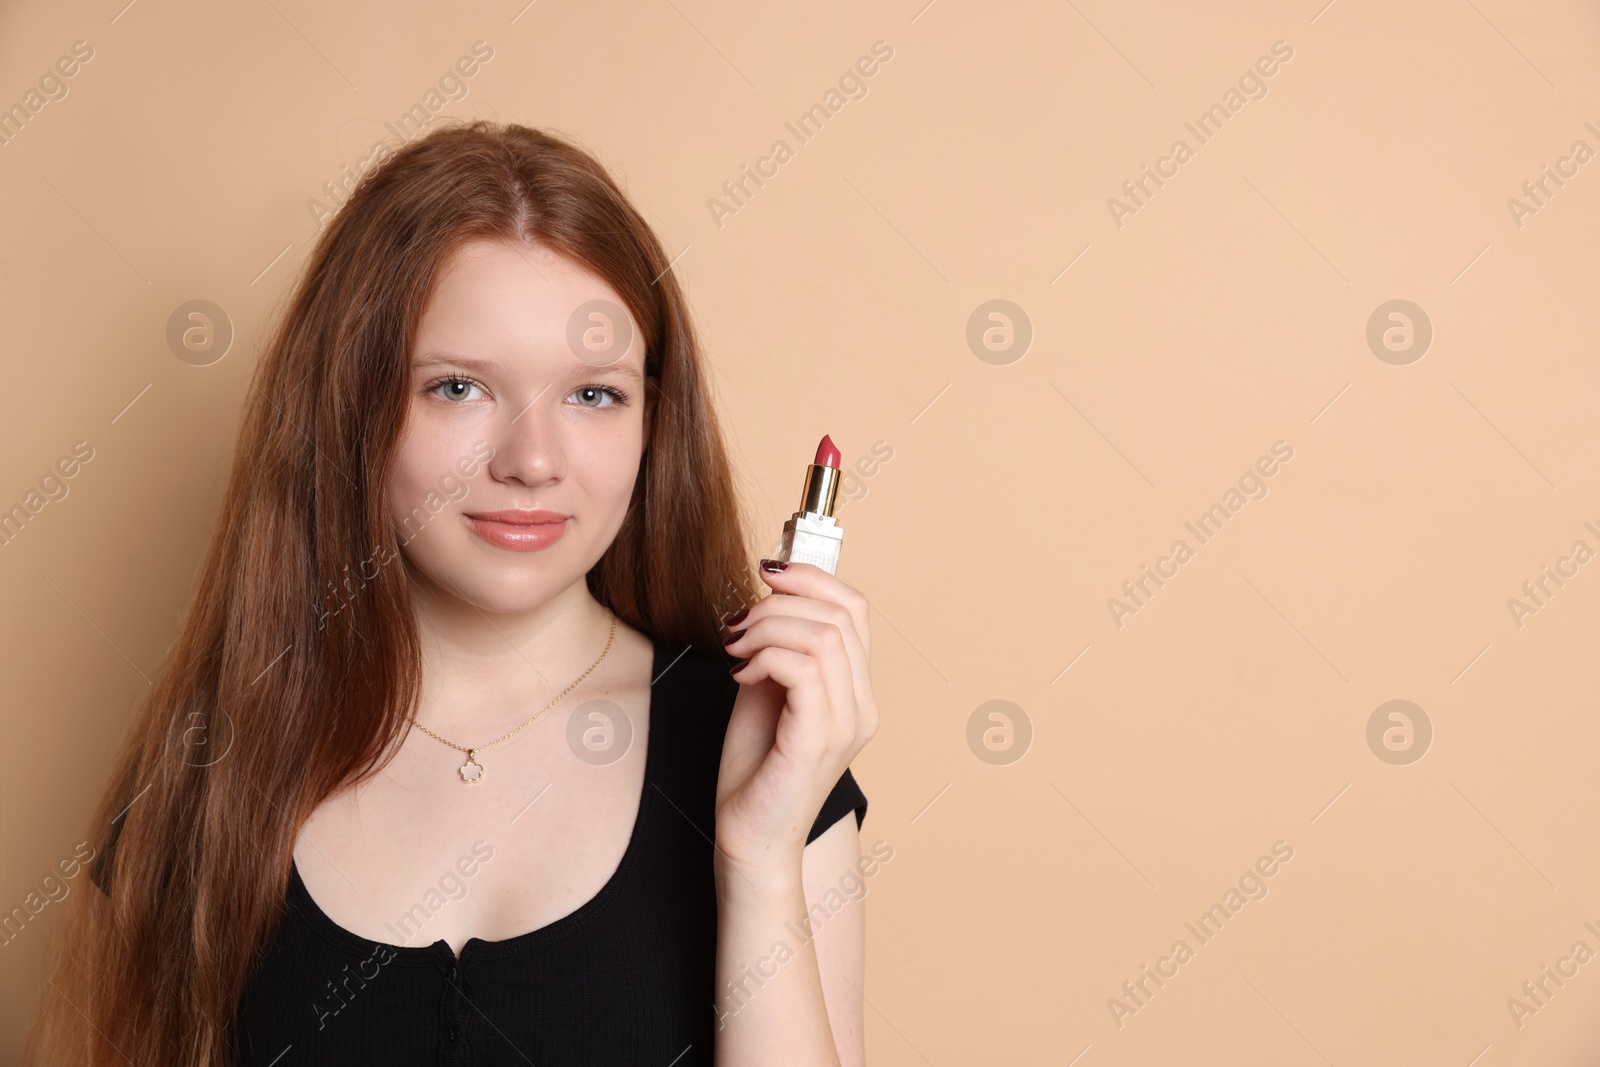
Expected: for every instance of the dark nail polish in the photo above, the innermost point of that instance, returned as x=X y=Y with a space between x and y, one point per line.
x=737 y=665
x=773 y=566
x=736 y=618
x=731 y=638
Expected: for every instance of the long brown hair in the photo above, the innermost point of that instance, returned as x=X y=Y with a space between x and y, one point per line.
x=305 y=698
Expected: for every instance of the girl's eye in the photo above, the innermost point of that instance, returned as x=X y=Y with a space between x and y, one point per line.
x=592 y=395
x=455 y=387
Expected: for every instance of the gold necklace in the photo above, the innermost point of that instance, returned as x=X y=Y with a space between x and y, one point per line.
x=472 y=771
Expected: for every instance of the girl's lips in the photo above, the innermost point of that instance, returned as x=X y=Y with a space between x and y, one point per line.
x=520 y=516
x=517 y=537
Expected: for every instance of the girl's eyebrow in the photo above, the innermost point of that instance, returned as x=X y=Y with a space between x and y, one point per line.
x=489 y=366
x=626 y=370
x=439 y=359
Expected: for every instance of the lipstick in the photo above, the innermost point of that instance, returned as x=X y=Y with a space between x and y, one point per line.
x=519 y=529
x=812 y=535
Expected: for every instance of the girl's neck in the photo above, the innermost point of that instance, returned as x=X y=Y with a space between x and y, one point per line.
x=472 y=657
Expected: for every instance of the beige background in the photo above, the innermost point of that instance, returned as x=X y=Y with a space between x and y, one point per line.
x=1230 y=312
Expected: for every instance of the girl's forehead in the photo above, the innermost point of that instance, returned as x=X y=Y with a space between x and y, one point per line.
x=520 y=302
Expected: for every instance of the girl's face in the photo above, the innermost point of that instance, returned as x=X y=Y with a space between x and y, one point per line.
x=528 y=417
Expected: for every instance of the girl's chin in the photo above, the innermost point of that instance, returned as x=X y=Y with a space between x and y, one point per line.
x=509 y=589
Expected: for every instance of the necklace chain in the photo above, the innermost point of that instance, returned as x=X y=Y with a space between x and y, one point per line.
x=472 y=771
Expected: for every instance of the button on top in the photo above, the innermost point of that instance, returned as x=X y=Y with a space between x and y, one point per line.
x=454 y=1032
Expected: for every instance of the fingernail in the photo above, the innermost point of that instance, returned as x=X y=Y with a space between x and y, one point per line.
x=731 y=638
x=736 y=618
x=773 y=566
x=738 y=666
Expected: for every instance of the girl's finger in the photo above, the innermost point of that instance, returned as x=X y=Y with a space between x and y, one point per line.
x=817 y=611
x=821 y=641
x=808 y=580
x=819 y=692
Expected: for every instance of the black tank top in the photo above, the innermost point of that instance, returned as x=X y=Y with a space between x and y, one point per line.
x=627 y=978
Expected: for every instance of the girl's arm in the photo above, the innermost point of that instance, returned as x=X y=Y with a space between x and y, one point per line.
x=791 y=958
x=805 y=708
